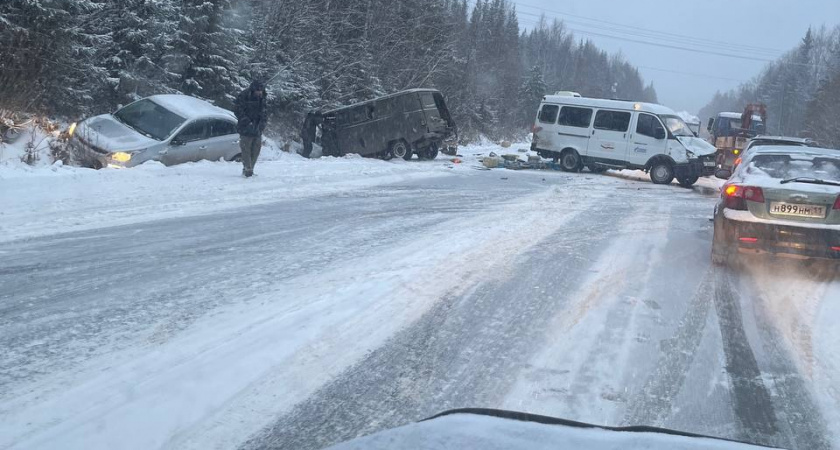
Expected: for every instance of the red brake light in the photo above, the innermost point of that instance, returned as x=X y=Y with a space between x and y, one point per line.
x=735 y=196
x=837 y=204
x=749 y=240
x=738 y=161
x=836 y=248
x=754 y=194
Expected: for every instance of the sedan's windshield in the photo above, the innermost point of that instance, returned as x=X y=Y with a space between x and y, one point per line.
x=677 y=126
x=150 y=119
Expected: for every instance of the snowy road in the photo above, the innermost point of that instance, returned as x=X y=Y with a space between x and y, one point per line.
x=301 y=323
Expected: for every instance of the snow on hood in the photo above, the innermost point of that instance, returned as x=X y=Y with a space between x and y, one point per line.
x=108 y=133
x=468 y=431
x=697 y=146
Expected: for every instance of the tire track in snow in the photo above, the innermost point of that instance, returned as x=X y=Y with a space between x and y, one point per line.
x=751 y=400
x=799 y=417
x=654 y=403
x=466 y=351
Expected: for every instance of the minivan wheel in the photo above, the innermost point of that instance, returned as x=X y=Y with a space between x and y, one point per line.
x=661 y=173
x=687 y=182
x=570 y=161
x=399 y=149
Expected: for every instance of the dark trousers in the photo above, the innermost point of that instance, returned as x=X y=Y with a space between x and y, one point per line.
x=250 y=146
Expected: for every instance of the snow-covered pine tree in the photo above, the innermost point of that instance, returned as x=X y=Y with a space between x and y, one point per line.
x=47 y=62
x=207 y=51
x=530 y=94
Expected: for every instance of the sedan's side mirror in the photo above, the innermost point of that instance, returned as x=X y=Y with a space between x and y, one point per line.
x=659 y=133
x=723 y=174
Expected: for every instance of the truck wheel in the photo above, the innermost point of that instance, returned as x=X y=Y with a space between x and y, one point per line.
x=687 y=182
x=661 y=172
x=432 y=152
x=570 y=161
x=399 y=149
x=429 y=152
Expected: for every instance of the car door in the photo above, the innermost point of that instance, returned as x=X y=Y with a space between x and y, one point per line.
x=609 y=136
x=189 y=144
x=223 y=140
x=649 y=139
x=572 y=129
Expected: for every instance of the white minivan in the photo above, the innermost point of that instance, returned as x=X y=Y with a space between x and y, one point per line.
x=611 y=134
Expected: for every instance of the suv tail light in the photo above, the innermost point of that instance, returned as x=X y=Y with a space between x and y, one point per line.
x=736 y=197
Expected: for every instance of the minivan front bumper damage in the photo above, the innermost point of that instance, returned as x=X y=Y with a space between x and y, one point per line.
x=703 y=166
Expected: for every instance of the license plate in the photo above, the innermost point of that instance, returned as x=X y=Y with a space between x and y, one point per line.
x=799 y=210
x=709 y=163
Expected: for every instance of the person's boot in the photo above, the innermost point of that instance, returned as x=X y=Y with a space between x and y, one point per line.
x=249 y=173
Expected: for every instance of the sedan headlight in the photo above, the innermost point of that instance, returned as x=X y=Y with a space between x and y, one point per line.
x=121 y=157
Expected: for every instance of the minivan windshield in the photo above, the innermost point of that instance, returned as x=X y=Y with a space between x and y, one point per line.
x=149 y=119
x=677 y=126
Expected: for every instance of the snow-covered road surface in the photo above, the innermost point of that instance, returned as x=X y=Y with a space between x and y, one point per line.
x=306 y=321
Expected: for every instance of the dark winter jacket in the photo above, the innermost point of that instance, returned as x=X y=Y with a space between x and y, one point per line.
x=250 y=111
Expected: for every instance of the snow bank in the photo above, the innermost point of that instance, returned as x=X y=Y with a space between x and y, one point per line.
x=36 y=139
x=47 y=199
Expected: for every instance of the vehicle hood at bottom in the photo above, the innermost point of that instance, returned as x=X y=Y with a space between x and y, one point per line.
x=487 y=430
x=107 y=133
x=697 y=146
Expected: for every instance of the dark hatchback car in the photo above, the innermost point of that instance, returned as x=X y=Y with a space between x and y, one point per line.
x=782 y=201
x=399 y=125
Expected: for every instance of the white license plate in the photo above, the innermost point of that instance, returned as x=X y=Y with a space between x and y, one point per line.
x=709 y=163
x=795 y=209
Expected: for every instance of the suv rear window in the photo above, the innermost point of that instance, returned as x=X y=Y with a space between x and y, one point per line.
x=548 y=114
x=612 y=120
x=571 y=116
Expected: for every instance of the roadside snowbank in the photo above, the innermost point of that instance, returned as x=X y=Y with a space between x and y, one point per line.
x=36 y=201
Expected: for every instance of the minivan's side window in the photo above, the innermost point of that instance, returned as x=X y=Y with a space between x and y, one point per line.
x=548 y=114
x=571 y=116
x=612 y=120
x=648 y=124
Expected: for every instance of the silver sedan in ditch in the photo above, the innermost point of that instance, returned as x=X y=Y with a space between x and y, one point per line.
x=172 y=129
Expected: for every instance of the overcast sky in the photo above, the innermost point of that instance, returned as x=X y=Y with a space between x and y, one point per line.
x=770 y=24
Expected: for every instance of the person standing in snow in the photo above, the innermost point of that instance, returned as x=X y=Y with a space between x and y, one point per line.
x=310 y=130
x=249 y=108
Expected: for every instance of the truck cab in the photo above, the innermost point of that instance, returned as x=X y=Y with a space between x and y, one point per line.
x=729 y=136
